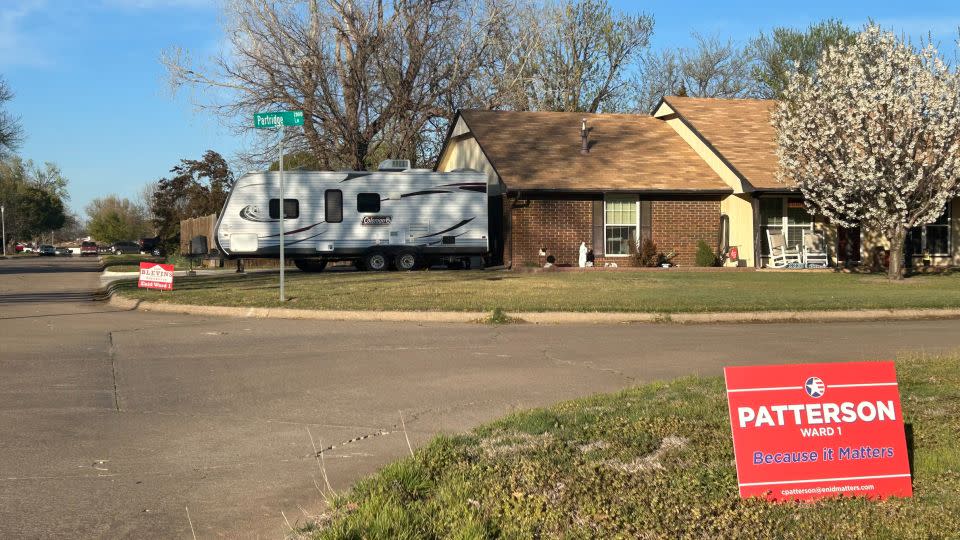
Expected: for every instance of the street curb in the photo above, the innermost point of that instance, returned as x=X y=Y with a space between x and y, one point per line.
x=288 y=313
x=538 y=317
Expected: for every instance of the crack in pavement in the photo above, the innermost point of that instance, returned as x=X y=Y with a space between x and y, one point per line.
x=396 y=428
x=587 y=365
x=359 y=438
x=112 y=352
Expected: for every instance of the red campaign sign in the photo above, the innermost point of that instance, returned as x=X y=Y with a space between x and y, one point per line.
x=156 y=276
x=808 y=431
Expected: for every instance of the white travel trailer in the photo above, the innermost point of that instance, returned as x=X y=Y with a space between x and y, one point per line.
x=400 y=219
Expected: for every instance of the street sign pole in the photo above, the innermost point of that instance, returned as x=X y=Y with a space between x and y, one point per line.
x=279 y=120
x=3 y=221
x=283 y=215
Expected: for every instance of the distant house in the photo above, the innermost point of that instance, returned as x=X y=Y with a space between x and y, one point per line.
x=696 y=169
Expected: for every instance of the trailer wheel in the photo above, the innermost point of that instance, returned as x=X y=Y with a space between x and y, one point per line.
x=375 y=261
x=406 y=261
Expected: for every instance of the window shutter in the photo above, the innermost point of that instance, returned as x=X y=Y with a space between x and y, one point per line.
x=646 y=221
x=598 y=236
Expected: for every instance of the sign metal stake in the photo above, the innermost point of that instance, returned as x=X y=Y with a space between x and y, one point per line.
x=283 y=216
x=279 y=120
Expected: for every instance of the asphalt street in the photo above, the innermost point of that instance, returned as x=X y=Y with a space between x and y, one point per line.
x=119 y=423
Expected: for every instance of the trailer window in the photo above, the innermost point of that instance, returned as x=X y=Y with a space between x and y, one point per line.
x=291 y=209
x=368 y=202
x=333 y=205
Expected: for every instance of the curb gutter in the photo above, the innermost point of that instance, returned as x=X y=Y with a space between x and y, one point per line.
x=538 y=317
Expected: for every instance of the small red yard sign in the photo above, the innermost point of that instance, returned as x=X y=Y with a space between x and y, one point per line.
x=808 y=431
x=156 y=276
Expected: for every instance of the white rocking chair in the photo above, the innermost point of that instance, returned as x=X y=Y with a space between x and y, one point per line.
x=780 y=255
x=814 y=255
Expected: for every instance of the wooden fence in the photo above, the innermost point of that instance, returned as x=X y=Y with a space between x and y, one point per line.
x=198 y=226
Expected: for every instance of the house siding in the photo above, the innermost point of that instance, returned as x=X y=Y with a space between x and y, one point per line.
x=556 y=226
x=559 y=226
x=678 y=226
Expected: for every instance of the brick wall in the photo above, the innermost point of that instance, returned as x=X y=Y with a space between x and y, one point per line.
x=558 y=227
x=555 y=226
x=679 y=225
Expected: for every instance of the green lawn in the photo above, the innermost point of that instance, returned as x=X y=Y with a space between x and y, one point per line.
x=651 y=462
x=127 y=259
x=131 y=262
x=568 y=291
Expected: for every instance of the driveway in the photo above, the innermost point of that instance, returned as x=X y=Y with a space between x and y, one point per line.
x=116 y=424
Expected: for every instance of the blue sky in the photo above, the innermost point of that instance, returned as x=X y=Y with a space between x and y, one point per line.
x=93 y=96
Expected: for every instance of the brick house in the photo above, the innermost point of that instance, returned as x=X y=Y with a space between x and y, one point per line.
x=696 y=169
x=554 y=184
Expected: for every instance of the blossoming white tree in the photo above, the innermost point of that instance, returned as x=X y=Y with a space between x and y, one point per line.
x=873 y=137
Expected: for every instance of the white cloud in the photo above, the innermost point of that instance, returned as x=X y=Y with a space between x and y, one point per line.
x=20 y=43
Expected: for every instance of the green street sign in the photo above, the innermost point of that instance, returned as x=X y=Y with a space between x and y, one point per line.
x=277 y=119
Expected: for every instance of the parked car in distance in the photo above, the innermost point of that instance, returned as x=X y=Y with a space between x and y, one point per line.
x=148 y=244
x=47 y=250
x=120 y=248
x=88 y=248
x=64 y=252
x=18 y=247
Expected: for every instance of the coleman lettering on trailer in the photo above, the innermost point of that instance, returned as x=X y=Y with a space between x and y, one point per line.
x=818 y=430
x=376 y=220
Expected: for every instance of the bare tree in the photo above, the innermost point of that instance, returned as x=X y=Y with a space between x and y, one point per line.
x=145 y=197
x=369 y=77
x=712 y=68
x=11 y=131
x=661 y=75
x=585 y=55
x=716 y=68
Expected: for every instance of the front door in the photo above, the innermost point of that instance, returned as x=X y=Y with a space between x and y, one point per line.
x=848 y=245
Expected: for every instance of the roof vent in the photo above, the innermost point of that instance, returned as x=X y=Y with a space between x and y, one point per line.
x=394 y=165
x=584 y=137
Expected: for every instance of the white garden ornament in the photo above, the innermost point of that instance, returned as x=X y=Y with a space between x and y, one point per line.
x=873 y=137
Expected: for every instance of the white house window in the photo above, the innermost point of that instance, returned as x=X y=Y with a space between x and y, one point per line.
x=788 y=214
x=933 y=239
x=620 y=223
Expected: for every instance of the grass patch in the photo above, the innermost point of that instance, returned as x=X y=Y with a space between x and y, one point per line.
x=128 y=259
x=499 y=316
x=657 y=292
x=655 y=461
x=131 y=262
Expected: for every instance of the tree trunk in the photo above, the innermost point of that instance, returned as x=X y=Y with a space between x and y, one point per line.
x=897 y=239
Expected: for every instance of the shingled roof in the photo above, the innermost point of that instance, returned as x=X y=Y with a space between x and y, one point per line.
x=740 y=131
x=541 y=151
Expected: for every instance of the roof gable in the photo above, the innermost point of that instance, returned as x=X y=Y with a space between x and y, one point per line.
x=739 y=130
